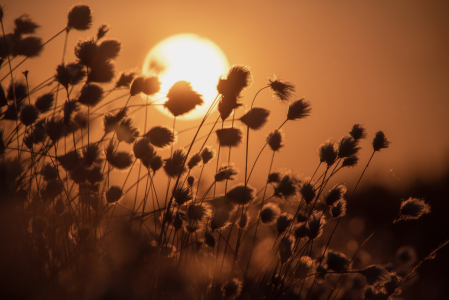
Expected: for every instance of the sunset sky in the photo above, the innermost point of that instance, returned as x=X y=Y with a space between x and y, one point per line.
x=383 y=64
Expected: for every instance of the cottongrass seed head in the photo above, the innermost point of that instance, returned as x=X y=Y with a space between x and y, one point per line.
x=347 y=147
x=207 y=154
x=307 y=191
x=194 y=161
x=316 y=223
x=281 y=89
x=285 y=248
x=226 y=172
x=380 y=141
x=270 y=213
x=413 y=208
x=337 y=261
x=328 y=152
x=358 y=132
x=161 y=136
x=275 y=139
x=375 y=275
x=182 y=98
x=338 y=209
x=255 y=118
x=229 y=137
x=241 y=194
x=283 y=222
x=114 y=193
x=335 y=194
x=175 y=165
x=79 y=17
x=298 y=109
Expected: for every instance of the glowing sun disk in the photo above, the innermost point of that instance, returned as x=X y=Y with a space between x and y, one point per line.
x=191 y=58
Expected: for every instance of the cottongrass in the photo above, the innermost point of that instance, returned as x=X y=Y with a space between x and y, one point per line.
x=88 y=211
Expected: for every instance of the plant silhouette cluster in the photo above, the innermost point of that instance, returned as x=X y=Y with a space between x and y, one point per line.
x=82 y=235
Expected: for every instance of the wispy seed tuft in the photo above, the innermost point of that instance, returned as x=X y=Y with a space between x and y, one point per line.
x=413 y=208
x=229 y=137
x=281 y=89
x=269 y=213
x=299 y=109
x=182 y=98
x=80 y=17
x=380 y=141
x=161 y=136
x=255 y=118
x=226 y=172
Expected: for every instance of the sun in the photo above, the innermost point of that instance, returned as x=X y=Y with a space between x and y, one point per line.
x=188 y=57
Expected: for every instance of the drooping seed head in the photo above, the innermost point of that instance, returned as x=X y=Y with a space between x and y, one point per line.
x=282 y=90
x=226 y=172
x=299 y=109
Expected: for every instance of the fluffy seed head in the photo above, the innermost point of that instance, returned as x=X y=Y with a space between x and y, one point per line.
x=44 y=103
x=79 y=174
x=336 y=261
x=287 y=186
x=70 y=160
x=299 y=109
x=120 y=160
x=182 y=194
x=91 y=154
x=240 y=194
x=28 y=114
x=24 y=25
x=301 y=217
x=143 y=149
x=413 y=208
x=161 y=136
x=358 y=132
x=155 y=163
x=86 y=51
x=269 y=213
x=91 y=94
x=226 y=172
x=126 y=131
x=182 y=98
x=350 y=161
x=125 y=79
x=229 y=137
x=307 y=192
x=274 y=177
x=54 y=128
x=95 y=175
x=49 y=172
x=304 y=267
x=255 y=118
x=283 y=222
x=238 y=78
x=285 y=248
x=302 y=231
x=347 y=147
x=275 y=139
x=207 y=154
x=102 y=30
x=315 y=223
x=114 y=194
x=339 y=209
x=375 y=275
x=380 y=141
x=79 y=17
x=328 y=153
x=198 y=212
x=109 y=49
x=281 y=89
x=335 y=194
x=101 y=70
x=232 y=288
x=174 y=166
x=194 y=161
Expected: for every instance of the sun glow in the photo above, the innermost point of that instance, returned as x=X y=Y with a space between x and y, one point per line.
x=191 y=58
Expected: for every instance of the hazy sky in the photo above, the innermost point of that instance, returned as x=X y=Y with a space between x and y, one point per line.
x=382 y=63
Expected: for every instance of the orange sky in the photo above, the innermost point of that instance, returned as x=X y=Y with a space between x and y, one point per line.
x=383 y=63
